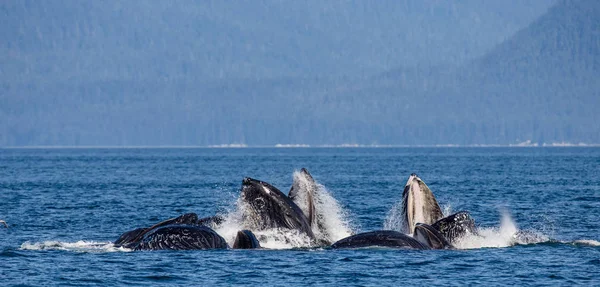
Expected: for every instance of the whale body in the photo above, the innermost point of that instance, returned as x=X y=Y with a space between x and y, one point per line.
x=380 y=238
x=185 y=232
x=180 y=237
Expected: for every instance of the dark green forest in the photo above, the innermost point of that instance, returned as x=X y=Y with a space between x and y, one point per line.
x=319 y=73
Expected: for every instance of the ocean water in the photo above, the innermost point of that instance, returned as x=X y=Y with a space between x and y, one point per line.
x=64 y=207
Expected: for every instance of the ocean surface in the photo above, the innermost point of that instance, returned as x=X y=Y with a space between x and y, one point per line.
x=64 y=207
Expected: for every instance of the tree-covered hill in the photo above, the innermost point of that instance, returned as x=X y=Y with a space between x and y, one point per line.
x=154 y=73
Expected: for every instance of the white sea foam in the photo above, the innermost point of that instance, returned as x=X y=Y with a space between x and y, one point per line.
x=79 y=246
x=587 y=242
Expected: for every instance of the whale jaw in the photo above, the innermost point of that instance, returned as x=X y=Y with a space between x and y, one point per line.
x=269 y=208
x=418 y=204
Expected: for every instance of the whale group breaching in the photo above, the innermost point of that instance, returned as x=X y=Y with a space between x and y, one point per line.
x=300 y=212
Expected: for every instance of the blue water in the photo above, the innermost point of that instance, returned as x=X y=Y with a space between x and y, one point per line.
x=65 y=206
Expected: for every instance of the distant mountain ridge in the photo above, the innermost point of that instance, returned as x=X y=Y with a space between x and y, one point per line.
x=538 y=86
x=141 y=40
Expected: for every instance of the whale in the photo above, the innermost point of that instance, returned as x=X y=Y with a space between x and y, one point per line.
x=133 y=236
x=185 y=232
x=380 y=238
x=180 y=237
x=418 y=205
x=269 y=208
x=245 y=239
x=425 y=237
x=4 y=223
x=303 y=192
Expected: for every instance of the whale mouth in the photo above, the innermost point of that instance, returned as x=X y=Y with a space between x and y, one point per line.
x=268 y=208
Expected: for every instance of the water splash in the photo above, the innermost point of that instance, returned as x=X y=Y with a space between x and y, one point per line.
x=333 y=221
x=395 y=219
x=507 y=234
x=79 y=246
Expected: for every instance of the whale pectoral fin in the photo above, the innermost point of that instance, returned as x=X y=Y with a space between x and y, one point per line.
x=4 y=223
x=245 y=239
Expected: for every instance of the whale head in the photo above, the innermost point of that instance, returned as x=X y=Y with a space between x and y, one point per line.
x=303 y=194
x=418 y=204
x=245 y=239
x=270 y=208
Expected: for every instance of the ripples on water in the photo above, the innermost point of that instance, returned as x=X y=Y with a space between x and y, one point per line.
x=65 y=206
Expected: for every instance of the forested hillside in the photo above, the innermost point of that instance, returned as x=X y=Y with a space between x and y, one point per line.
x=262 y=73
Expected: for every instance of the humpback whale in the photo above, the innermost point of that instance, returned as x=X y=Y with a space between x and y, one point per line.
x=181 y=233
x=4 y=223
x=180 y=237
x=418 y=204
x=423 y=224
x=306 y=194
x=245 y=239
x=380 y=238
x=303 y=194
x=424 y=237
x=133 y=236
x=270 y=208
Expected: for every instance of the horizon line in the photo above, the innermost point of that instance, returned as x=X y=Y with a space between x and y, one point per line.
x=290 y=146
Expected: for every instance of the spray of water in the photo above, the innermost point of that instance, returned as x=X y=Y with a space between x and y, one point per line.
x=333 y=221
x=507 y=234
x=394 y=219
